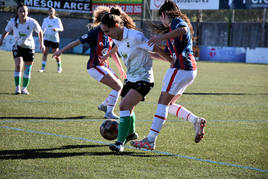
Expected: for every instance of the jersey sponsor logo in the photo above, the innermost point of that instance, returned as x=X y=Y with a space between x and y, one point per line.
x=84 y=36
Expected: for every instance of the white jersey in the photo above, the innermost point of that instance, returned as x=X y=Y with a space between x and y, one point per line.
x=23 y=33
x=48 y=26
x=133 y=49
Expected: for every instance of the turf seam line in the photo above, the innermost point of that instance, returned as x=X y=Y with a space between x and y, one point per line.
x=101 y=120
x=154 y=151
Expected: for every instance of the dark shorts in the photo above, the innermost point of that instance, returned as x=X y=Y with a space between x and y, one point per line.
x=51 y=44
x=142 y=87
x=26 y=54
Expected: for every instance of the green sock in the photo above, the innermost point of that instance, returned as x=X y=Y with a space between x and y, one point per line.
x=59 y=64
x=44 y=64
x=17 y=78
x=132 y=124
x=27 y=76
x=123 y=129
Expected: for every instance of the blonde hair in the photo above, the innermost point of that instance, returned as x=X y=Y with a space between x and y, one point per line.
x=98 y=13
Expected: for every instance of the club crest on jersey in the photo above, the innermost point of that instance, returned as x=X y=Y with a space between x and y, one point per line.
x=28 y=27
x=100 y=44
x=104 y=51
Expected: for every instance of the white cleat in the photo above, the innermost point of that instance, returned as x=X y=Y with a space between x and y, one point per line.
x=117 y=147
x=42 y=70
x=110 y=115
x=199 y=127
x=144 y=143
x=59 y=70
x=25 y=91
x=18 y=90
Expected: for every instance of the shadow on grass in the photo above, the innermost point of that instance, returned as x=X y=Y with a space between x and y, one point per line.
x=238 y=94
x=25 y=154
x=53 y=118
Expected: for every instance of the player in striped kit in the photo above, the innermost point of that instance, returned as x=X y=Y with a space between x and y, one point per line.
x=176 y=29
x=51 y=26
x=23 y=49
x=97 y=65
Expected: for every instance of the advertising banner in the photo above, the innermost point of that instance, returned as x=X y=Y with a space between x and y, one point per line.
x=132 y=7
x=243 y=4
x=188 y=4
x=81 y=6
x=257 y=55
x=222 y=54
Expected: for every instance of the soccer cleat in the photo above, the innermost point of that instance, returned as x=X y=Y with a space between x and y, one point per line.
x=144 y=143
x=110 y=115
x=59 y=69
x=102 y=107
x=42 y=70
x=132 y=136
x=116 y=147
x=18 y=91
x=25 y=91
x=199 y=127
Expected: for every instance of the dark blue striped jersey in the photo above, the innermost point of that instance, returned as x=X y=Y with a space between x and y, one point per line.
x=181 y=47
x=99 y=44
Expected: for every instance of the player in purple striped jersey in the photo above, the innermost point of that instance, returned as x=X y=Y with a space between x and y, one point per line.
x=176 y=29
x=101 y=47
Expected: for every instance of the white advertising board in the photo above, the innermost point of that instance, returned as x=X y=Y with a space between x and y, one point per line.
x=257 y=55
x=188 y=4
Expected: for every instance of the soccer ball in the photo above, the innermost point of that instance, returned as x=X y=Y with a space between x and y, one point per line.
x=109 y=129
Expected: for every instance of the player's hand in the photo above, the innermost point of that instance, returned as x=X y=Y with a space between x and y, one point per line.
x=155 y=40
x=104 y=58
x=54 y=29
x=56 y=54
x=42 y=48
x=172 y=64
x=123 y=75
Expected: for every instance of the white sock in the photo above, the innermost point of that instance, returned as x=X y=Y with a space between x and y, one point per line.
x=182 y=112
x=112 y=99
x=158 y=121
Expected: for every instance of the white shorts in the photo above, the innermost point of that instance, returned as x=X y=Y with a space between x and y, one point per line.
x=98 y=72
x=176 y=81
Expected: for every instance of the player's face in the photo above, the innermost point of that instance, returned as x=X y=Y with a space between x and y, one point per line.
x=165 y=20
x=51 y=12
x=111 y=32
x=23 y=12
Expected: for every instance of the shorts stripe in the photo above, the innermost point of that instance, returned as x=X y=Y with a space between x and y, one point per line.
x=172 y=79
x=99 y=70
x=160 y=117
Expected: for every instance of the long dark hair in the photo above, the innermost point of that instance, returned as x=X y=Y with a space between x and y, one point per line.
x=21 y=4
x=118 y=16
x=171 y=9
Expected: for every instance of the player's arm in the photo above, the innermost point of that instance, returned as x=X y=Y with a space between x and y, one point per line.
x=4 y=35
x=172 y=34
x=41 y=42
x=162 y=55
x=67 y=47
x=60 y=27
x=119 y=66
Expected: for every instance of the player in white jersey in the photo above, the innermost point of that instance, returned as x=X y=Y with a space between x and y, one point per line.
x=51 y=26
x=23 y=49
x=133 y=48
